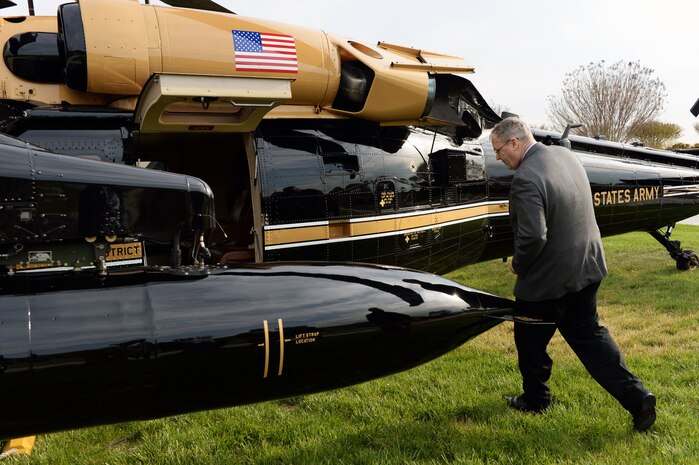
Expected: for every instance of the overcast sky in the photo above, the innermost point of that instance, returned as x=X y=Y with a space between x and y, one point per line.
x=521 y=50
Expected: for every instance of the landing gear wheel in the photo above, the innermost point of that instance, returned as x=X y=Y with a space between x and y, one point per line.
x=688 y=261
x=684 y=259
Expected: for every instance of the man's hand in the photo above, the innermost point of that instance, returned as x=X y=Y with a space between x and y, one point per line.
x=512 y=268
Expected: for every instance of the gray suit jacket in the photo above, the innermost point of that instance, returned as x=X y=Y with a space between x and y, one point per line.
x=558 y=249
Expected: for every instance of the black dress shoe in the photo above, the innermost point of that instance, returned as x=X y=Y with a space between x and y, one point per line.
x=644 y=417
x=518 y=403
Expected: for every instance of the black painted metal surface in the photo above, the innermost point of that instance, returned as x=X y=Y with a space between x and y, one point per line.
x=76 y=352
x=48 y=197
x=319 y=174
x=334 y=173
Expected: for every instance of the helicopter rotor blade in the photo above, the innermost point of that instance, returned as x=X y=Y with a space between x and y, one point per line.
x=6 y=4
x=208 y=5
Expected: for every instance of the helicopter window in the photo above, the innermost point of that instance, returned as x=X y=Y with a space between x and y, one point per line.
x=34 y=56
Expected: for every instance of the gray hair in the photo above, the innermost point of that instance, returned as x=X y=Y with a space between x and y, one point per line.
x=512 y=128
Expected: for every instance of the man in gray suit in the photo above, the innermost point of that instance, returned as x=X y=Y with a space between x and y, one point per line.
x=559 y=263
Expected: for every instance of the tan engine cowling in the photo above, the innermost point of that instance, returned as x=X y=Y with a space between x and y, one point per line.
x=114 y=47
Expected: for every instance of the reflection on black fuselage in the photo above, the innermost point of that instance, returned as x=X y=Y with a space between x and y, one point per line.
x=73 y=354
x=432 y=203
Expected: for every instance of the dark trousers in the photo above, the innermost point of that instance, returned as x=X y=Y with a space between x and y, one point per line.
x=575 y=316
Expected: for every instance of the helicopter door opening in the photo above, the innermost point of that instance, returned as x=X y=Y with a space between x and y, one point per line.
x=233 y=238
x=200 y=125
x=221 y=160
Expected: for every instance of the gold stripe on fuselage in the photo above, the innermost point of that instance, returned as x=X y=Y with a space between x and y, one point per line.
x=331 y=231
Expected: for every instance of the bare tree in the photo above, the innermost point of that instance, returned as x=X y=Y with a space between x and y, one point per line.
x=612 y=101
x=696 y=127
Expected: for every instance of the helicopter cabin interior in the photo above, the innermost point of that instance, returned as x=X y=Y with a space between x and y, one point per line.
x=222 y=161
x=201 y=126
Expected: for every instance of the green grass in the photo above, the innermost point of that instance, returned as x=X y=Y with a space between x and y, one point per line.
x=451 y=410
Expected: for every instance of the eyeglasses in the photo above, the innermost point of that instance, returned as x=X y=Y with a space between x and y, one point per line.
x=497 y=151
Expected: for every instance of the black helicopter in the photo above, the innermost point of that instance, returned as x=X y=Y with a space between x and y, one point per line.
x=184 y=206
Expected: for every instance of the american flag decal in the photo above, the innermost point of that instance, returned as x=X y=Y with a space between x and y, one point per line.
x=265 y=51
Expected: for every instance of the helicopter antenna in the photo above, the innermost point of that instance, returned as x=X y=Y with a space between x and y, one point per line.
x=565 y=142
